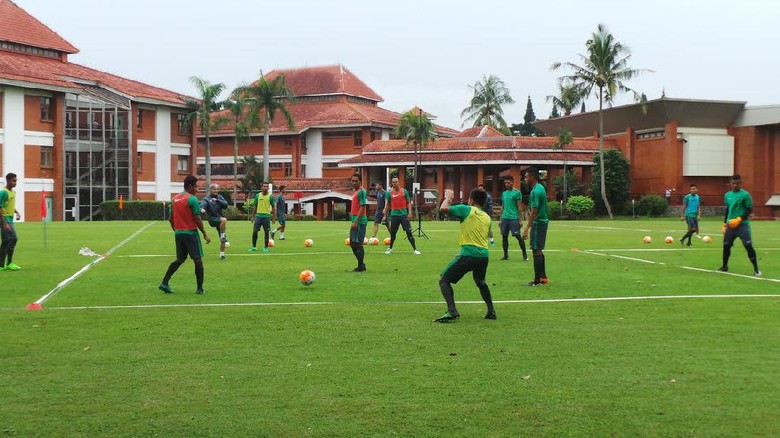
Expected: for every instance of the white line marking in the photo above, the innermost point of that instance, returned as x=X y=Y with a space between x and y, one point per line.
x=752 y=277
x=698 y=248
x=308 y=253
x=306 y=303
x=86 y=268
x=624 y=257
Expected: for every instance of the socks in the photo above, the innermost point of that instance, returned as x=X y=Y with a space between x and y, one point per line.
x=199 y=273
x=505 y=245
x=752 y=256
x=484 y=290
x=449 y=296
x=726 y=255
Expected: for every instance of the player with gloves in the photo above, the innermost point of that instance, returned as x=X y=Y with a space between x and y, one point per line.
x=736 y=223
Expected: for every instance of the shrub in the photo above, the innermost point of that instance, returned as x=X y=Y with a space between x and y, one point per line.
x=234 y=213
x=554 y=209
x=651 y=205
x=580 y=207
x=134 y=210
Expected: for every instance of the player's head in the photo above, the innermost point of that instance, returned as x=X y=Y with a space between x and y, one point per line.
x=378 y=185
x=394 y=182
x=736 y=182
x=478 y=198
x=10 y=180
x=531 y=175
x=694 y=189
x=264 y=187
x=508 y=181
x=191 y=184
x=282 y=188
x=481 y=188
x=355 y=180
x=214 y=189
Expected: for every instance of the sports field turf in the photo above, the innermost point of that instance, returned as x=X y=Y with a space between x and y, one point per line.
x=628 y=339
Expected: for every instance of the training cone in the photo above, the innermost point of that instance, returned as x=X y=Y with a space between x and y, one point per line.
x=34 y=306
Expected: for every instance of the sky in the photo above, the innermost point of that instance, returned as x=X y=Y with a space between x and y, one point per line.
x=427 y=53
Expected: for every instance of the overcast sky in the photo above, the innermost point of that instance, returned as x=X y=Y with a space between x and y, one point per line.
x=427 y=53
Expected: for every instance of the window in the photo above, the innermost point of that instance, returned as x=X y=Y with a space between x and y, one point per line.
x=139 y=119
x=358 y=138
x=287 y=143
x=181 y=123
x=46 y=157
x=332 y=134
x=288 y=170
x=275 y=165
x=139 y=162
x=183 y=164
x=46 y=109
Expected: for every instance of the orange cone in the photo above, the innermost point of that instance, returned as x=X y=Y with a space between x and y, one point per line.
x=34 y=307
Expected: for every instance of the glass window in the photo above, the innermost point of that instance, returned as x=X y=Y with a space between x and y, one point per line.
x=183 y=164
x=139 y=121
x=358 y=138
x=181 y=123
x=46 y=109
x=46 y=156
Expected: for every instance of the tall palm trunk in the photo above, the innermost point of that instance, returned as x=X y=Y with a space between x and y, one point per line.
x=601 y=154
x=208 y=161
x=266 y=147
x=235 y=168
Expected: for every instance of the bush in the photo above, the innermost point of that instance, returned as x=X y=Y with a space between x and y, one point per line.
x=651 y=205
x=580 y=207
x=134 y=210
x=554 y=209
x=234 y=213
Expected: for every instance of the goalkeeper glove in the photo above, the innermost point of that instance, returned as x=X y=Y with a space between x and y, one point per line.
x=734 y=223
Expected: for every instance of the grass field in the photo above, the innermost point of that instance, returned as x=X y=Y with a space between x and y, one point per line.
x=628 y=339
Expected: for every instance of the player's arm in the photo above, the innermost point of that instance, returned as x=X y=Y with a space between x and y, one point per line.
x=387 y=205
x=685 y=207
x=698 y=213
x=531 y=218
x=3 y=198
x=195 y=207
x=254 y=210
x=272 y=201
x=410 y=204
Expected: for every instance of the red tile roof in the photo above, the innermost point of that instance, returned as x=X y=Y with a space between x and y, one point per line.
x=329 y=79
x=481 y=131
x=17 y=26
x=53 y=72
x=307 y=185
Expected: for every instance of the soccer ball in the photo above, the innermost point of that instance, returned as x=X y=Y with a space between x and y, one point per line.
x=669 y=239
x=307 y=277
x=706 y=239
x=387 y=241
x=373 y=241
x=271 y=243
x=647 y=239
x=227 y=244
x=346 y=241
x=365 y=241
x=308 y=243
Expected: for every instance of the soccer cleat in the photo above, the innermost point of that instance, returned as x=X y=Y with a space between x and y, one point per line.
x=389 y=251
x=12 y=267
x=252 y=249
x=273 y=233
x=723 y=269
x=533 y=284
x=165 y=288
x=682 y=240
x=361 y=268
x=447 y=317
x=2 y=268
x=417 y=252
x=200 y=292
x=506 y=257
x=222 y=238
x=690 y=245
x=265 y=249
x=492 y=242
x=490 y=315
x=223 y=257
x=525 y=257
x=757 y=273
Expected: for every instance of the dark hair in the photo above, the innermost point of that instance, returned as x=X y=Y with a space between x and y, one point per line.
x=479 y=197
x=480 y=185
x=357 y=175
x=533 y=172
x=190 y=180
x=10 y=175
x=509 y=178
x=282 y=187
x=693 y=185
x=264 y=183
x=736 y=177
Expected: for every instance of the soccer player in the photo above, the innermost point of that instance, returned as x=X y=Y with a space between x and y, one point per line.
x=691 y=214
x=281 y=213
x=510 y=217
x=380 y=208
x=489 y=211
x=537 y=223
x=399 y=203
x=263 y=212
x=185 y=222
x=357 y=228
x=736 y=223
x=473 y=256
x=7 y=212
x=212 y=205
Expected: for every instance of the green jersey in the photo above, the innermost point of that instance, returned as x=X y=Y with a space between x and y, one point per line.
x=264 y=204
x=737 y=204
x=359 y=199
x=8 y=203
x=538 y=200
x=510 y=198
x=691 y=203
x=474 y=228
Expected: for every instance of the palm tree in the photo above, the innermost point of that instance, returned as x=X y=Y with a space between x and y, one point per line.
x=237 y=106
x=485 y=106
x=200 y=112
x=602 y=72
x=563 y=139
x=265 y=99
x=416 y=129
x=569 y=96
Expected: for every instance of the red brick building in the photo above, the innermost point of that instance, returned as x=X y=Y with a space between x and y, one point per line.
x=80 y=135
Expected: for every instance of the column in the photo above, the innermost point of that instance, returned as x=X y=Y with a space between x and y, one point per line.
x=162 y=155
x=13 y=142
x=314 y=153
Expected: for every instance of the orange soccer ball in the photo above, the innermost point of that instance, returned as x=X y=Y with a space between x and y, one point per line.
x=647 y=239
x=669 y=239
x=387 y=241
x=271 y=243
x=308 y=243
x=346 y=241
x=373 y=241
x=307 y=277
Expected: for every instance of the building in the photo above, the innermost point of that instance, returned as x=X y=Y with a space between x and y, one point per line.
x=80 y=136
x=673 y=143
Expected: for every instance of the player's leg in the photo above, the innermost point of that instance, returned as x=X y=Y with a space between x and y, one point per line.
x=255 y=229
x=537 y=246
x=9 y=251
x=452 y=274
x=195 y=251
x=409 y=235
x=515 y=227
x=266 y=224
x=728 y=242
x=395 y=222
x=479 y=273
x=356 y=236
x=743 y=231
x=6 y=236
x=504 y=226
x=181 y=255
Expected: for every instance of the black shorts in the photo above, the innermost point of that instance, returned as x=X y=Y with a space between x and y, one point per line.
x=402 y=221
x=8 y=235
x=742 y=231
x=508 y=225
x=282 y=218
x=215 y=221
x=188 y=244
x=358 y=234
x=693 y=222
x=264 y=222
x=538 y=236
x=462 y=265
x=378 y=218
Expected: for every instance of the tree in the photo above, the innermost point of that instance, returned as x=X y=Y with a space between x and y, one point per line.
x=527 y=128
x=615 y=172
x=485 y=107
x=237 y=107
x=554 y=113
x=563 y=139
x=582 y=108
x=569 y=96
x=417 y=130
x=253 y=175
x=603 y=72
x=200 y=112
x=265 y=99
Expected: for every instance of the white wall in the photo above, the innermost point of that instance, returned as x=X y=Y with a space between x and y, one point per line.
x=13 y=141
x=162 y=157
x=314 y=153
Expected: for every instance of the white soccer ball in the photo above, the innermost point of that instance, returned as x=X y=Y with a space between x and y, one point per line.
x=647 y=239
x=669 y=239
x=373 y=241
x=706 y=239
x=308 y=243
x=227 y=244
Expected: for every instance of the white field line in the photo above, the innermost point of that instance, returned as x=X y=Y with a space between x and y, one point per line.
x=752 y=277
x=624 y=257
x=716 y=248
x=309 y=253
x=603 y=228
x=383 y=303
x=86 y=268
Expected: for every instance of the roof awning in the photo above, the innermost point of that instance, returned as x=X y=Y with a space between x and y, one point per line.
x=773 y=201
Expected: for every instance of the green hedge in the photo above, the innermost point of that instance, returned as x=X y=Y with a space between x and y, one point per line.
x=134 y=210
x=580 y=207
x=651 y=205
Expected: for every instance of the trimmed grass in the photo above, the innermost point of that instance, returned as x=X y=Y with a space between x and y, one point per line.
x=368 y=360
